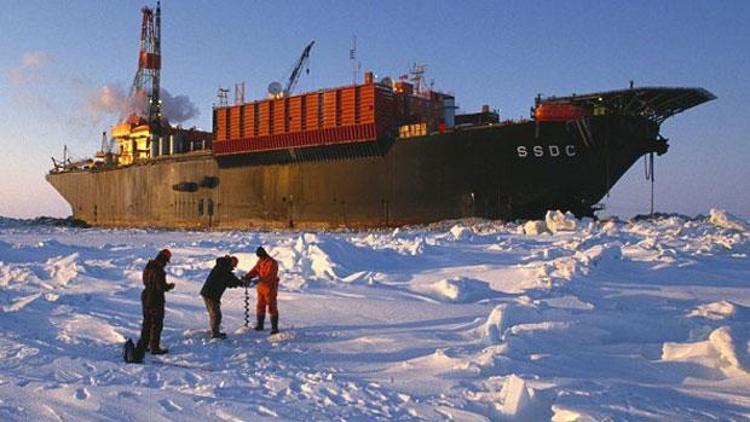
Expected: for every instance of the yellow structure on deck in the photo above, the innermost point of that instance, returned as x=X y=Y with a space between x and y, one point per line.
x=133 y=141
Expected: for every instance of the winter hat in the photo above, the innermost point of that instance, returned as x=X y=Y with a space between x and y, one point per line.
x=260 y=252
x=165 y=254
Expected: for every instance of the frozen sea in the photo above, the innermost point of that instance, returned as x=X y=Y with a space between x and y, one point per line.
x=562 y=320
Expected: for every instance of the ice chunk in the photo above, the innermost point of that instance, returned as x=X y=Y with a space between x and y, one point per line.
x=721 y=339
x=562 y=414
x=63 y=269
x=458 y=290
x=721 y=218
x=517 y=396
x=717 y=352
x=505 y=316
x=534 y=227
x=496 y=324
x=557 y=221
x=447 y=289
x=460 y=232
x=715 y=310
x=21 y=303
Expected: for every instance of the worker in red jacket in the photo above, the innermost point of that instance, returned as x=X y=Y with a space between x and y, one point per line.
x=152 y=298
x=265 y=276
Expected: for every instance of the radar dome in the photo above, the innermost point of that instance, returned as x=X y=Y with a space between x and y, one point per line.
x=274 y=88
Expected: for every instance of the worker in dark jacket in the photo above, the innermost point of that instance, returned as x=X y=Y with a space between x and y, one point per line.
x=220 y=278
x=152 y=300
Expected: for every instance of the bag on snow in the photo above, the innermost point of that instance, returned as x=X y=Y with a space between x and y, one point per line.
x=130 y=354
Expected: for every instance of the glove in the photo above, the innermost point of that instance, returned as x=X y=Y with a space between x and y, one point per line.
x=170 y=286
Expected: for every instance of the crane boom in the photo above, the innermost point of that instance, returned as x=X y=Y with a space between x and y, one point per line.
x=294 y=77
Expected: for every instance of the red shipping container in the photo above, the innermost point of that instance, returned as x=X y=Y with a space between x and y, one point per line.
x=279 y=116
x=248 y=120
x=221 y=124
x=329 y=109
x=264 y=118
x=294 y=117
x=367 y=104
x=313 y=111
x=235 y=126
x=348 y=106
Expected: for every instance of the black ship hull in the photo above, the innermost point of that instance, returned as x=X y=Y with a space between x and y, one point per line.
x=519 y=170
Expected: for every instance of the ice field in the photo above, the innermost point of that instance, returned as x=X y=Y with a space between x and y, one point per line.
x=563 y=320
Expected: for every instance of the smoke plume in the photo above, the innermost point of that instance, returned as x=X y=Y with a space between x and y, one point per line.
x=29 y=68
x=108 y=99
x=177 y=108
x=111 y=99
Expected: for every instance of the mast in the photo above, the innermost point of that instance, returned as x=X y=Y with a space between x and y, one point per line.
x=145 y=89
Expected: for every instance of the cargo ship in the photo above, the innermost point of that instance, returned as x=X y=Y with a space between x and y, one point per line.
x=377 y=153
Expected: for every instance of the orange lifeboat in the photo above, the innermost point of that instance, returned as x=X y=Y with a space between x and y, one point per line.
x=559 y=112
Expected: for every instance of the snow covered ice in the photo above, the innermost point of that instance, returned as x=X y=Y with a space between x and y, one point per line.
x=559 y=320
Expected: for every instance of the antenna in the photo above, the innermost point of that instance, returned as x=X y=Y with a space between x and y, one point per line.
x=356 y=65
x=223 y=96
x=417 y=76
x=239 y=93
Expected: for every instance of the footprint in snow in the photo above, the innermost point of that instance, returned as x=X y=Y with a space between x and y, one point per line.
x=82 y=394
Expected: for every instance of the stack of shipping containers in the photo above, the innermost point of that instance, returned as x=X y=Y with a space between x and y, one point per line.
x=359 y=113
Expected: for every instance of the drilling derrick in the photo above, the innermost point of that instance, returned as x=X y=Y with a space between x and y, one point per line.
x=145 y=90
x=138 y=136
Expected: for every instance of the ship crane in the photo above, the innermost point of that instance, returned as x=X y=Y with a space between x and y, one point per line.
x=297 y=71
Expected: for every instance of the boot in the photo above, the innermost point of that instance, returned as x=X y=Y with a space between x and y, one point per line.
x=274 y=324
x=158 y=350
x=259 y=325
x=141 y=347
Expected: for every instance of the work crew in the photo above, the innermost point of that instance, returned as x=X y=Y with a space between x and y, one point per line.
x=152 y=300
x=220 y=278
x=267 y=285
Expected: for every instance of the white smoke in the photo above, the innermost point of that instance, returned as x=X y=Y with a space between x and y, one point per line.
x=112 y=99
x=108 y=99
x=35 y=59
x=177 y=108
x=29 y=68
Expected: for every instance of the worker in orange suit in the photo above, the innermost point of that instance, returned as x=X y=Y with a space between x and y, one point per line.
x=266 y=279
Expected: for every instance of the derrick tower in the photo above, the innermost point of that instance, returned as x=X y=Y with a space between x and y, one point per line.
x=145 y=89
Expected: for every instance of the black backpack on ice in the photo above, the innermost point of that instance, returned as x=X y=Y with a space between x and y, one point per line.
x=130 y=354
